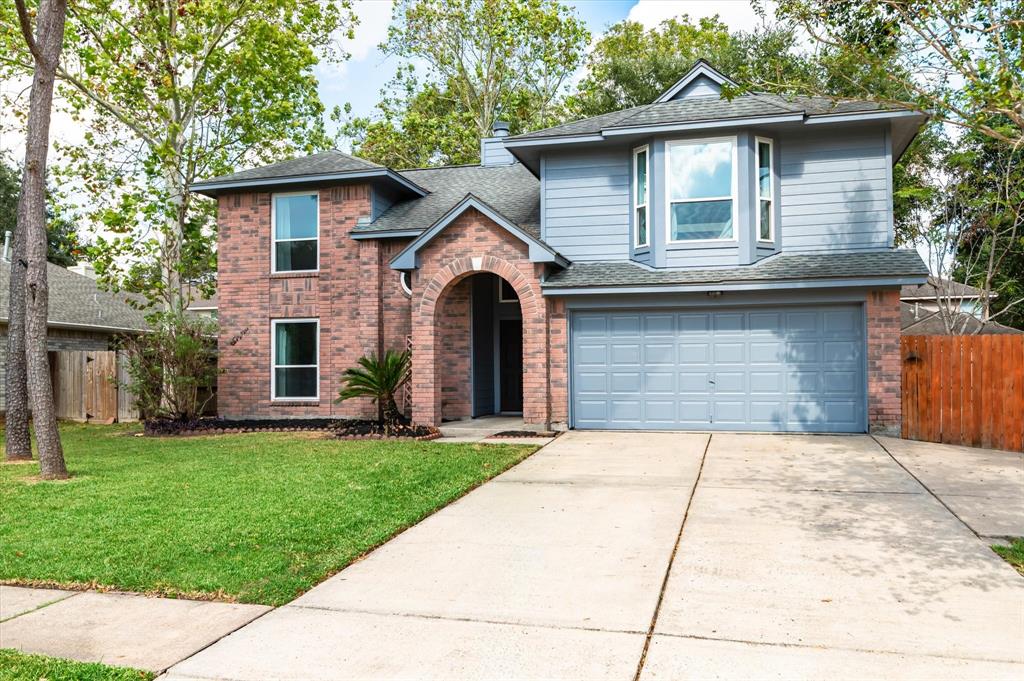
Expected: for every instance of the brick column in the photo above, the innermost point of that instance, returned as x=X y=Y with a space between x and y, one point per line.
x=882 y=312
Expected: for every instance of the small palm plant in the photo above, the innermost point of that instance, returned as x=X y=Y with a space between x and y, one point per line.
x=380 y=379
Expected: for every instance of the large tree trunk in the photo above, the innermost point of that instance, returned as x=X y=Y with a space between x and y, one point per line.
x=17 y=445
x=46 y=47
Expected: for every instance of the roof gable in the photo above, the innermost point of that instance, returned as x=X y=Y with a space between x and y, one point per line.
x=408 y=259
x=702 y=80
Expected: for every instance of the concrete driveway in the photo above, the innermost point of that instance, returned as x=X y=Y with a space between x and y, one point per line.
x=661 y=556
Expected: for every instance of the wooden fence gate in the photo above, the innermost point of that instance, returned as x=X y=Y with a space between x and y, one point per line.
x=87 y=386
x=965 y=390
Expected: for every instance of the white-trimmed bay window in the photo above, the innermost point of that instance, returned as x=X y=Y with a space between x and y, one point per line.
x=296 y=221
x=295 y=353
x=701 y=189
x=641 y=168
x=765 y=180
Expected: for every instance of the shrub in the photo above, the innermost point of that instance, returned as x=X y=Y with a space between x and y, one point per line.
x=172 y=367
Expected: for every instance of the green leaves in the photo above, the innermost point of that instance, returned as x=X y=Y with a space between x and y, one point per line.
x=486 y=60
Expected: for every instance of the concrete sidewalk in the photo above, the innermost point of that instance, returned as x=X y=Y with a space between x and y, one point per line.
x=125 y=630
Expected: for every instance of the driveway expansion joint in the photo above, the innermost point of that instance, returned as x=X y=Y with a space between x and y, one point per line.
x=450 y=618
x=852 y=649
x=671 y=560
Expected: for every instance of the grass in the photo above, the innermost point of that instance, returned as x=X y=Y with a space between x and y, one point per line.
x=1013 y=554
x=257 y=518
x=15 y=666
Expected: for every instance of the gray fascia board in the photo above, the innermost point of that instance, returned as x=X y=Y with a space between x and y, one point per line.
x=539 y=252
x=386 y=234
x=716 y=123
x=554 y=139
x=819 y=119
x=211 y=188
x=735 y=286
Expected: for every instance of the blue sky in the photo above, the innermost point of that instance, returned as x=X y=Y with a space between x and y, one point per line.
x=358 y=81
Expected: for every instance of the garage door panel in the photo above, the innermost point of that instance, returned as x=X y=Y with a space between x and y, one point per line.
x=626 y=382
x=660 y=325
x=625 y=326
x=625 y=353
x=797 y=368
x=729 y=353
x=660 y=382
x=663 y=354
x=694 y=324
x=694 y=353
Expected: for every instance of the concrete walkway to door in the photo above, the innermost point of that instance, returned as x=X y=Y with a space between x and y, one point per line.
x=660 y=556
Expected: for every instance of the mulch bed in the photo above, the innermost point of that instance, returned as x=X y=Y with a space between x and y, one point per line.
x=343 y=429
x=524 y=433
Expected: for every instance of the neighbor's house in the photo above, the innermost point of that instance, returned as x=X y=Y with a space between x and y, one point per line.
x=693 y=263
x=919 y=309
x=81 y=316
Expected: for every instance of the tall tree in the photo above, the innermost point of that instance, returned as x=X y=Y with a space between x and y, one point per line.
x=45 y=45
x=961 y=60
x=64 y=244
x=485 y=60
x=170 y=92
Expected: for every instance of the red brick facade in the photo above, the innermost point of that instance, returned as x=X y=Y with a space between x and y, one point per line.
x=363 y=309
x=882 y=312
x=356 y=297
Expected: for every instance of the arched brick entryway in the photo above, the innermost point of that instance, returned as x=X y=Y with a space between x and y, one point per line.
x=427 y=304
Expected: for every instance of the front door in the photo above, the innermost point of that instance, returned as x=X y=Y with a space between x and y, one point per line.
x=510 y=341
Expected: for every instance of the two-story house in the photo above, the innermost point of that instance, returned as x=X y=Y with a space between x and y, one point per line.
x=695 y=263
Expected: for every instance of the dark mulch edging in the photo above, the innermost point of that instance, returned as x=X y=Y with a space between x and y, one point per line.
x=524 y=433
x=344 y=429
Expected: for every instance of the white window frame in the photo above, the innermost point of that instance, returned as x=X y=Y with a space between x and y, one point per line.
x=734 y=197
x=758 y=141
x=404 y=279
x=273 y=232
x=647 y=198
x=274 y=365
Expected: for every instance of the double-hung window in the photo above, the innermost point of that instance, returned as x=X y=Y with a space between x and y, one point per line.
x=765 y=216
x=296 y=232
x=641 y=165
x=295 y=348
x=701 y=189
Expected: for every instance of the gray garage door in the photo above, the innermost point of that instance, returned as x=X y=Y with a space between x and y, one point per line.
x=770 y=369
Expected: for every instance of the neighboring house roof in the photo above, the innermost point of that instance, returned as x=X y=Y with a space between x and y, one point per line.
x=840 y=267
x=204 y=303
x=949 y=288
x=76 y=301
x=511 y=190
x=326 y=166
x=917 y=322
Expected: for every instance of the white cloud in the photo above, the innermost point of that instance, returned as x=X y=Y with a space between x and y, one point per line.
x=372 y=30
x=738 y=15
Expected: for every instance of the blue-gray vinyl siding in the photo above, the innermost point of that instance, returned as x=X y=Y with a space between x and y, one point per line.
x=836 y=190
x=586 y=204
x=784 y=368
x=494 y=153
x=701 y=86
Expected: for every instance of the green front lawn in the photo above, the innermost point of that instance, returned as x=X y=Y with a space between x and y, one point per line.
x=15 y=666
x=1013 y=554
x=258 y=517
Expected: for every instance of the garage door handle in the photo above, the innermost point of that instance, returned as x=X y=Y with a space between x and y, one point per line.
x=711 y=382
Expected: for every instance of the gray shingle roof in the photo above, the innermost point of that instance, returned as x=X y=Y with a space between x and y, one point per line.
x=511 y=190
x=77 y=300
x=897 y=263
x=949 y=288
x=332 y=161
x=917 y=322
x=703 y=109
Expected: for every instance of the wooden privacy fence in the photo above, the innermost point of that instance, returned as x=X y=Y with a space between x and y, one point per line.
x=87 y=386
x=965 y=390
